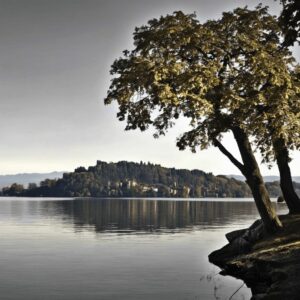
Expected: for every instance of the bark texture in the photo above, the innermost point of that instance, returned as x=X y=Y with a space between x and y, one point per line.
x=256 y=183
x=286 y=181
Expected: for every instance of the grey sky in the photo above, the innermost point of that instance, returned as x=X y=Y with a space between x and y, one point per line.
x=55 y=57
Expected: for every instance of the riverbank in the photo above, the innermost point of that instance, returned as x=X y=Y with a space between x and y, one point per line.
x=268 y=264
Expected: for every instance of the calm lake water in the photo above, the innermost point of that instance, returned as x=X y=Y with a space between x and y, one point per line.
x=117 y=248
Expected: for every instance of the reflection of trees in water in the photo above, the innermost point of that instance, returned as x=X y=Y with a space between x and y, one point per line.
x=149 y=215
x=125 y=215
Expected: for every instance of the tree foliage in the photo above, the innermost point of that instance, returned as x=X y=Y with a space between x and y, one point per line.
x=14 y=190
x=277 y=117
x=290 y=21
x=219 y=74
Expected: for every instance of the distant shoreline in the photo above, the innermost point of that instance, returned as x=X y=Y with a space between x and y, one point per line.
x=225 y=199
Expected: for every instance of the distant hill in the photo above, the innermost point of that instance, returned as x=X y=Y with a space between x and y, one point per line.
x=266 y=178
x=129 y=179
x=26 y=178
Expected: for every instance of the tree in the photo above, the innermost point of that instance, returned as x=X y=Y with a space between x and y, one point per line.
x=205 y=72
x=290 y=21
x=80 y=170
x=14 y=190
x=279 y=131
x=273 y=114
x=32 y=186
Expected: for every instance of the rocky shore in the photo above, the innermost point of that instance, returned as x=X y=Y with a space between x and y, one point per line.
x=268 y=264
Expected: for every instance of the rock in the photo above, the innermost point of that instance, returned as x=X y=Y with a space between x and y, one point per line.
x=251 y=234
x=259 y=296
x=240 y=242
x=268 y=264
x=230 y=236
x=255 y=233
x=256 y=224
x=280 y=199
x=236 y=247
x=278 y=275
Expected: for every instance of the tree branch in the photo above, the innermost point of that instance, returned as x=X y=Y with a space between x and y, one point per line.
x=239 y=165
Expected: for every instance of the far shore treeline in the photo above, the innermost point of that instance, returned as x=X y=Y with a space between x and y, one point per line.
x=129 y=179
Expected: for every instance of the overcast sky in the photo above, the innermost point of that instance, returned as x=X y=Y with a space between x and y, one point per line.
x=55 y=57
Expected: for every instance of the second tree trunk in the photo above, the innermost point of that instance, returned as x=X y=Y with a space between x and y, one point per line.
x=286 y=182
x=256 y=183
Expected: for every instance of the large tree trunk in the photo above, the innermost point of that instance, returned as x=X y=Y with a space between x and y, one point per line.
x=286 y=182
x=255 y=181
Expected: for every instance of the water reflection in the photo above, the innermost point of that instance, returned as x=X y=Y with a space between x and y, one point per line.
x=131 y=215
x=123 y=215
x=48 y=251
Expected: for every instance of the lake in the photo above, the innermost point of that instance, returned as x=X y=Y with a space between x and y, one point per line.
x=133 y=249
